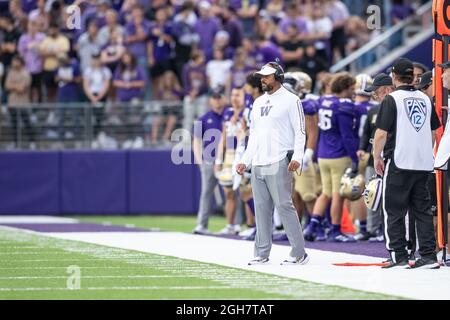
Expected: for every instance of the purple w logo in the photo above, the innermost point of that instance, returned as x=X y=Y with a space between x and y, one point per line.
x=265 y=111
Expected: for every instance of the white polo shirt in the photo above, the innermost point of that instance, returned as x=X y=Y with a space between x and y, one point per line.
x=277 y=125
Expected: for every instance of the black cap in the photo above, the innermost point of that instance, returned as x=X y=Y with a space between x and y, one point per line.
x=425 y=80
x=217 y=92
x=444 y=65
x=403 y=67
x=380 y=80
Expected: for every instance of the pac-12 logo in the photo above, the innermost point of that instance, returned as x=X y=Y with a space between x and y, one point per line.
x=416 y=109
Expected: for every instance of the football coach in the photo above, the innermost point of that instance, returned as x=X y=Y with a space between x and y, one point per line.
x=406 y=125
x=275 y=151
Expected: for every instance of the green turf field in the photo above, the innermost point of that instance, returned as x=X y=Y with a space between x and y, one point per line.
x=36 y=267
x=166 y=223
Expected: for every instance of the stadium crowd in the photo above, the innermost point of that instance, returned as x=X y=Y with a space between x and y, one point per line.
x=135 y=50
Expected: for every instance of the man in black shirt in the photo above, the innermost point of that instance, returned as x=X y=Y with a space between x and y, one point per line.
x=406 y=125
x=381 y=87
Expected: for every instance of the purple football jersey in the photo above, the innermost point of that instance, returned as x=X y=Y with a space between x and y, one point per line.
x=310 y=104
x=361 y=110
x=336 y=119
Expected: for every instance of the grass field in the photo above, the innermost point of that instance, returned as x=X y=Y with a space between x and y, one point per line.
x=34 y=266
x=165 y=223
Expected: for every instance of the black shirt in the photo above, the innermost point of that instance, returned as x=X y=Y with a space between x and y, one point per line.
x=387 y=120
x=291 y=45
x=11 y=36
x=370 y=127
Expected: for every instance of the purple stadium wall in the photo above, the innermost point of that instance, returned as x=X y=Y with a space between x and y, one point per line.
x=96 y=182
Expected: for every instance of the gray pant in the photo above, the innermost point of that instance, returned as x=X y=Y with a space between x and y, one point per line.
x=209 y=182
x=193 y=109
x=374 y=218
x=272 y=186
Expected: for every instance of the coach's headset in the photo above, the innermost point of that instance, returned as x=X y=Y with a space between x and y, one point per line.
x=279 y=73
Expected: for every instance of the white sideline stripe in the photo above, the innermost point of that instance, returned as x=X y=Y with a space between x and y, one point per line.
x=98 y=277
x=35 y=219
x=65 y=268
x=415 y=284
x=23 y=247
x=3 y=253
x=123 y=288
x=105 y=259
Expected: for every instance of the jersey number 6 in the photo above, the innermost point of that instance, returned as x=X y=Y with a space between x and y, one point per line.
x=325 y=119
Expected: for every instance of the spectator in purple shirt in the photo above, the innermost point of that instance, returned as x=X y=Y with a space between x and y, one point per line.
x=247 y=11
x=160 y=46
x=233 y=26
x=117 y=4
x=68 y=79
x=206 y=26
x=137 y=34
x=113 y=51
x=239 y=71
x=195 y=85
x=399 y=11
x=128 y=79
x=292 y=17
x=29 y=49
x=28 y=5
x=102 y=9
x=221 y=42
x=266 y=52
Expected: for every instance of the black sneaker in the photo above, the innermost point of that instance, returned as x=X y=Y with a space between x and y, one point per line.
x=400 y=265
x=425 y=264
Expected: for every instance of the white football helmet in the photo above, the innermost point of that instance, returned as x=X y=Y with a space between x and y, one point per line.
x=225 y=177
x=363 y=81
x=298 y=83
x=352 y=185
x=372 y=193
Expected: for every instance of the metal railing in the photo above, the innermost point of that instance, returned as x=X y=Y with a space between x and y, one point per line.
x=87 y=126
x=385 y=42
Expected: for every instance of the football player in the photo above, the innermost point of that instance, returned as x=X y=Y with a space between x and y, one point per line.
x=306 y=187
x=336 y=152
x=232 y=120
